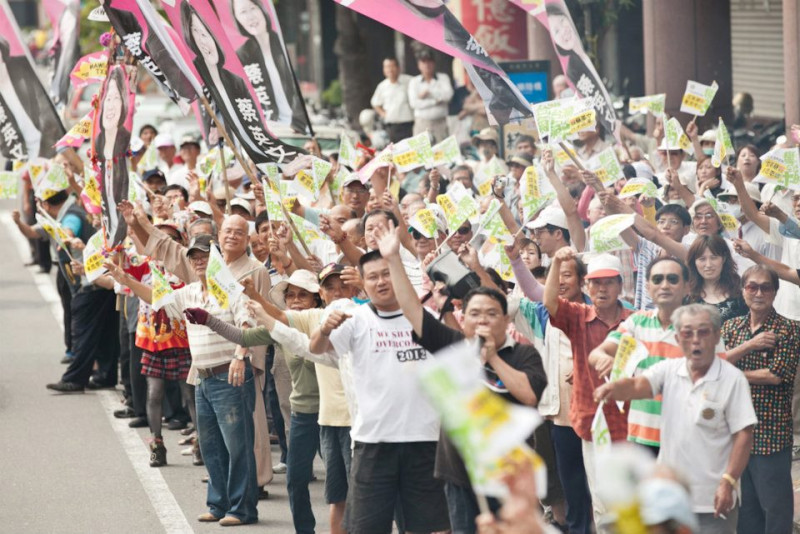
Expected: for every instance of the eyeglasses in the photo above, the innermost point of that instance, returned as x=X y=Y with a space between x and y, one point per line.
x=464 y=230
x=355 y=190
x=752 y=288
x=688 y=333
x=672 y=279
x=664 y=221
x=704 y=216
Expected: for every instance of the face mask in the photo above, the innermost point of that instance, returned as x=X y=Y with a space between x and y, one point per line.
x=735 y=210
x=708 y=151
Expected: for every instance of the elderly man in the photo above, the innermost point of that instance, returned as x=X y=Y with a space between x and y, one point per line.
x=587 y=327
x=233 y=239
x=707 y=408
x=766 y=347
x=225 y=397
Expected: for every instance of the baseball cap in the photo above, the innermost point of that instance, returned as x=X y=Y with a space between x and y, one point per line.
x=137 y=145
x=200 y=242
x=201 y=206
x=550 y=215
x=523 y=159
x=604 y=266
x=190 y=139
x=330 y=270
x=242 y=203
x=665 y=500
x=353 y=178
x=163 y=140
x=300 y=278
x=153 y=173
x=709 y=136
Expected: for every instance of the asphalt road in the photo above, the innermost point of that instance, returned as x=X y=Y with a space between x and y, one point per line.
x=66 y=465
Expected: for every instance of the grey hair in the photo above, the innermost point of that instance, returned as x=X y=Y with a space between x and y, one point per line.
x=696 y=309
x=203 y=220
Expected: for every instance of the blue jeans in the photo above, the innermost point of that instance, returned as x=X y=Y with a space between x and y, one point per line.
x=303 y=446
x=226 y=435
x=335 y=445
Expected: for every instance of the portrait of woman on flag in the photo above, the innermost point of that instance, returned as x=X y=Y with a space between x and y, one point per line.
x=266 y=64
x=112 y=136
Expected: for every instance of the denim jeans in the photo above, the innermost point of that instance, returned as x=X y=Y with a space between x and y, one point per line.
x=571 y=472
x=335 y=445
x=226 y=434
x=303 y=446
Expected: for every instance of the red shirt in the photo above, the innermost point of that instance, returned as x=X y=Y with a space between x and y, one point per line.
x=586 y=331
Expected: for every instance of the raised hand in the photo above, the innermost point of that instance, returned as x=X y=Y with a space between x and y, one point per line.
x=548 y=162
x=512 y=250
x=334 y=321
x=388 y=240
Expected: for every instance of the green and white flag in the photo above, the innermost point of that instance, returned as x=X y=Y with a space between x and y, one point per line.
x=94 y=257
x=639 y=186
x=487 y=173
x=781 y=166
x=606 y=166
x=413 y=152
x=676 y=138
x=644 y=104
x=698 y=97
x=562 y=119
x=446 y=152
x=220 y=282
x=424 y=222
x=488 y=431
x=601 y=435
x=536 y=192
x=162 y=290
x=723 y=147
x=458 y=205
x=347 y=151
x=604 y=235
x=52 y=182
x=9 y=184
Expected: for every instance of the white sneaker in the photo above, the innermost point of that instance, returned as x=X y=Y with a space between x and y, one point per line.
x=187 y=451
x=279 y=468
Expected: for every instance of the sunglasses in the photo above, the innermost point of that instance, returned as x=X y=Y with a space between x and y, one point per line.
x=752 y=288
x=416 y=235
x=464 y=230
x=688 y=333
x=672 y=279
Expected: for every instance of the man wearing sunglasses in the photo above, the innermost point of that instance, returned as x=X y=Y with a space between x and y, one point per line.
x=707 y=409
x=766 y=347
x=667 y=284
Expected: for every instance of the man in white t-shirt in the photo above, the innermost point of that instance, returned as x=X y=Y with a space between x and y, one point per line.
x=390 y=101
x=428 y=94
x=395 y=429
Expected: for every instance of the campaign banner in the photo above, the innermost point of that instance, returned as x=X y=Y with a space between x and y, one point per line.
x=215 y=60
x=162 y=293
x=536 y=192
x=606 y=166
x=781 y=166
x=446 y=152
x=94 y=257
x=144 y=33
x=53 y=181
x=676 y=138
x=111 y=138
x=80 y=132
x=65 y=19
x=698 y=97
x=9 y=184
x=91 y=68
x=347 y=151
x=29 y=124
x=643 y=105
x=432 y=23
x=562 y=119
x=458 y=206
x=424 y=222
x=639 y=186
x=723 y=147
x=413 y=152
x=604 y=235
x=221 y=283
x=488 y=431
x=575 y=63
x=253 y=29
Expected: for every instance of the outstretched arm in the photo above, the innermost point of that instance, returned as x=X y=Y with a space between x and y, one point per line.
x=389 y=245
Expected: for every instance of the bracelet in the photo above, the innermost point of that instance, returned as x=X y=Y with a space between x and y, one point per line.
x=729 y=479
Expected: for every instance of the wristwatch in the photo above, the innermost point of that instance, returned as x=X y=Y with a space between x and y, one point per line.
x=239 y=357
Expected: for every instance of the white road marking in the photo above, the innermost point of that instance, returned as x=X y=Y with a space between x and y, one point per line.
x=166 y=507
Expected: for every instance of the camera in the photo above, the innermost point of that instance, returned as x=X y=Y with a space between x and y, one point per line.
x=449 y=270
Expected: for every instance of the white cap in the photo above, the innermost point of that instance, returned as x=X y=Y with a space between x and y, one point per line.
x=603 y=266
x=300 y=278
x=136 y=144
x=242 y=203
x=663 y=146
x=643 y=170
x=709 y=136
x=163 y=140
x=553 y=215
x=665 y=500
x=201 y=206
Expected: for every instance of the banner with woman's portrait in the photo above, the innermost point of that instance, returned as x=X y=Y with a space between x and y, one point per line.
x=253 y=29
x=432 y=23
x=576 y=64
x=110 y=140
x=65 y=49
x=224 y=77
x=136 y=23
x=29 y=124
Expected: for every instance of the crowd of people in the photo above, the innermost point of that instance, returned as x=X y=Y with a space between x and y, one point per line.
x=319 y=350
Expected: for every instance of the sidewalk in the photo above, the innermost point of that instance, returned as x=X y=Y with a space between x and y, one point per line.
x=796 y=485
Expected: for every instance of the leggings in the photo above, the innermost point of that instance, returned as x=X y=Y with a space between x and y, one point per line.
x=155 y=400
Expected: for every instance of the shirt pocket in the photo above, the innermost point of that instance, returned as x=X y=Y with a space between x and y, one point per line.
x=709 y=414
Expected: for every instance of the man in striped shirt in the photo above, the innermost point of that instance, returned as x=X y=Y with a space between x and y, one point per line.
x=667 y=285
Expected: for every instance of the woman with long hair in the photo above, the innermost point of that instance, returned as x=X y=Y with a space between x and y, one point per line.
x=713 y=278
x=263 y=48
x=110 y=147
x=709 y=178
x=748 y=162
